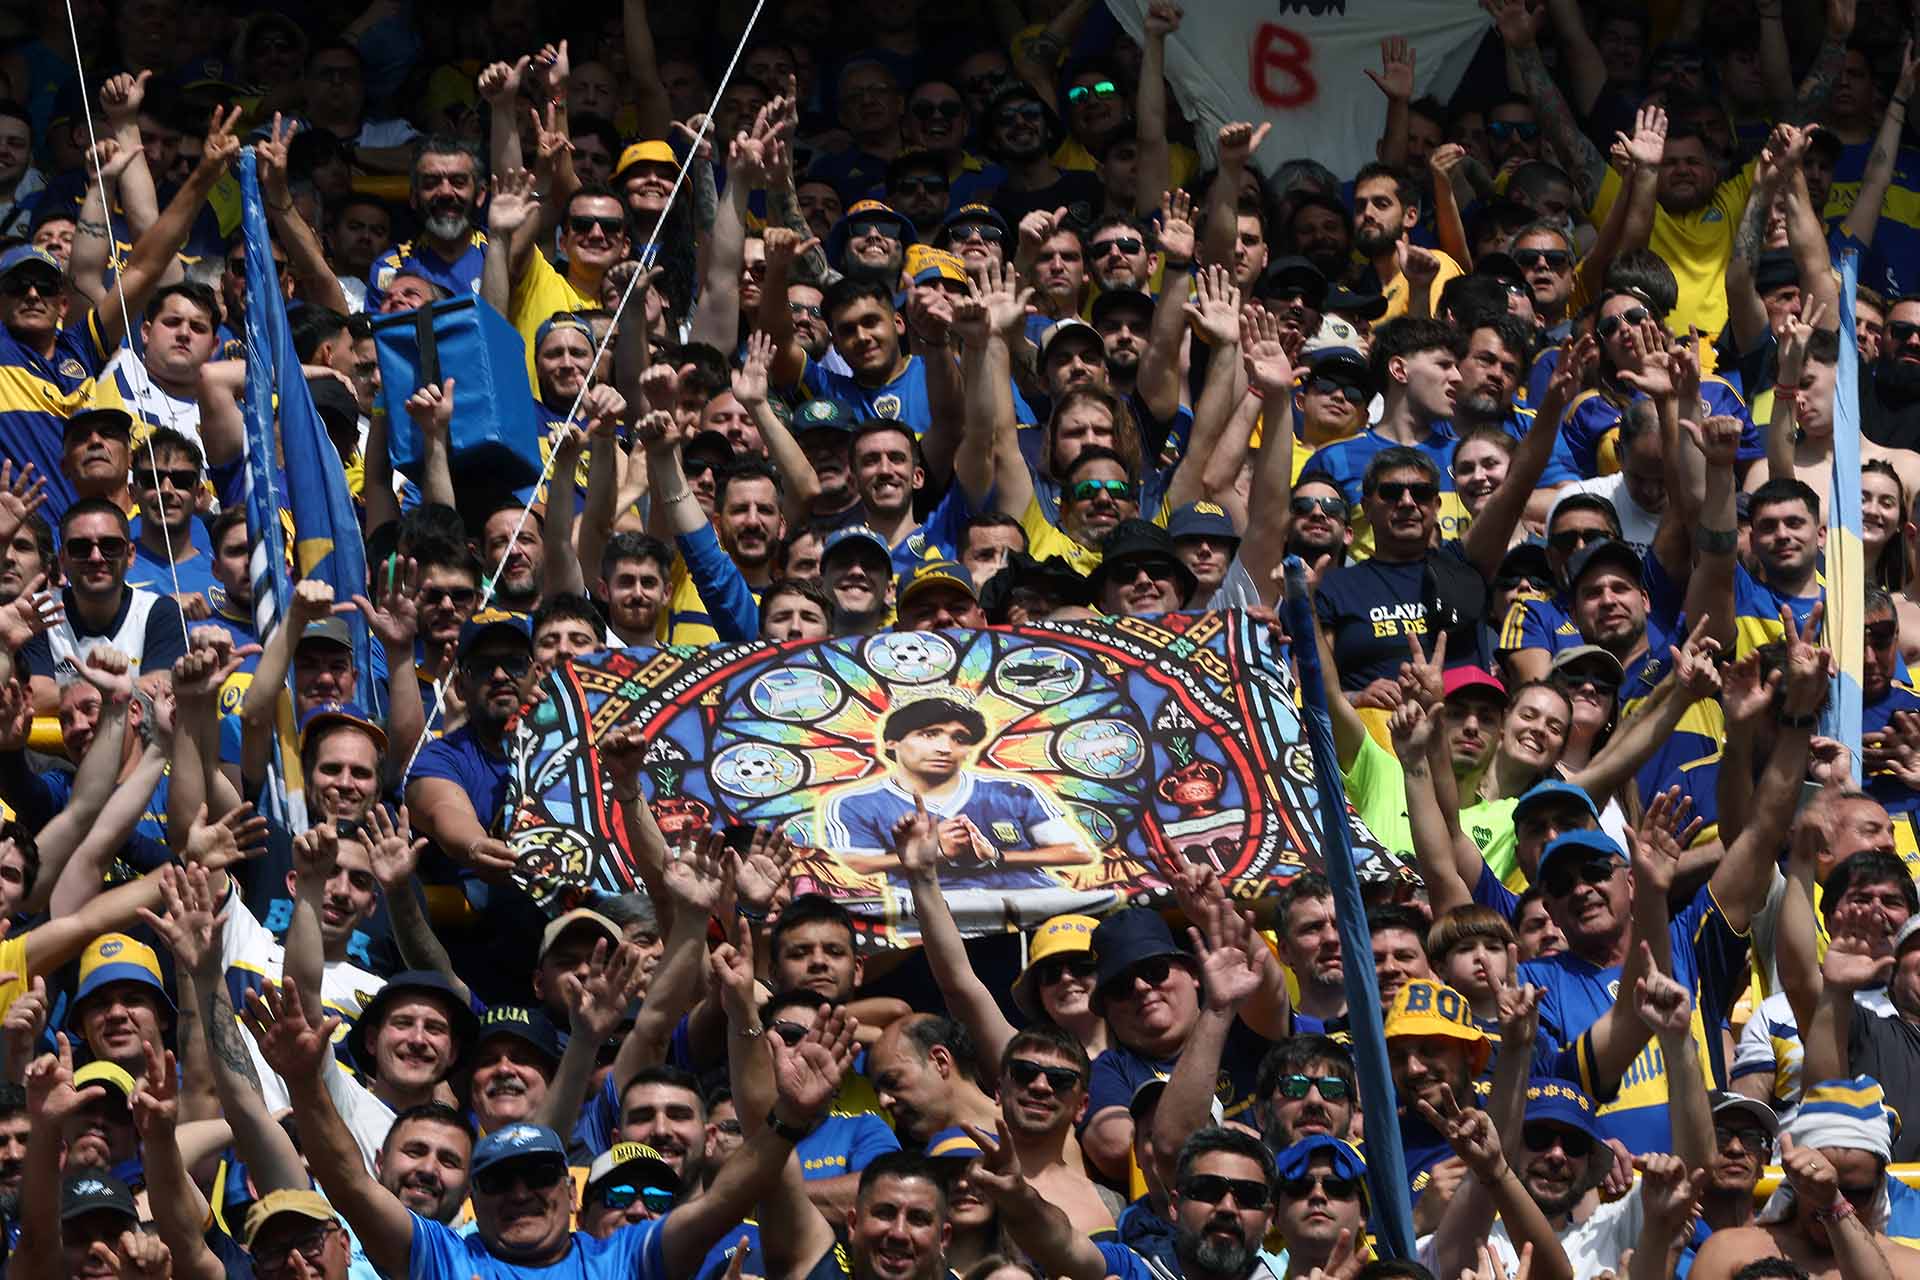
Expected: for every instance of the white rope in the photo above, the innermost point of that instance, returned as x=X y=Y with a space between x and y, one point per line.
x=126 y=316
x=546 y=469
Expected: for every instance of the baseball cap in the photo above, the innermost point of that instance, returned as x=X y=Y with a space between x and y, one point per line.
x=517 y=1142
x=100 y=1071
x=1296 y=271
x=971 y=213
x=1554 y=1101
x=1424 y=1007
x=1500 y=266
x=1201 y=520
x=925 y=264
x=929 y=573
x=93 y=1191
x=1524 y=560
x=1296 y=1161
x=305 y=1204
x=341 y=713
x=654 y=149
x=561 y=320
x=1724 y=1103
x=1146 y=1096
x=1113 y=299
x=1907 y=932
x=529 y=1025
x=1591 y=652
x=491 y=621
x=1368 y=306
x=1065 y=329
x=634 y=1163
x=954 y=1143
x=1466 y=676
x=115 y=957
x=1341 y=364
x=1553 y=789
x=559 y=925
x=1608 y=551
x=1579 y=844
x=822 y=415
x=107 y=421
x=866 y=211
x=855 y=538
x=338 y=410
x=24 y=257
x=331 y=630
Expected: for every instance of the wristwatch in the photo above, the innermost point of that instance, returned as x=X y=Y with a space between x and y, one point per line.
x=791 y=1132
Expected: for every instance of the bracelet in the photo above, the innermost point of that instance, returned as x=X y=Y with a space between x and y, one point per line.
x=1176 y=264
x=283 y=207
x=1897 y=102
x=746 y=913
x=1256 y=392
x=791 y=1132
x=750 y=1033
x=1809 y=721
x=1841 y=1208
x=1719 y=542
x=1784 y=389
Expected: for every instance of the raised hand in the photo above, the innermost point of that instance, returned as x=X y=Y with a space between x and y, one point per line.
x=156 y=1100
x=731 y=964
x=239 y=835
x=602 y=408
x=1036 y=227
x=20 y=495
x=1662 y=1003
x=1519 y=1004
x=553 y=68
x=1395 y=77
x=499 y=83
x=1646 y=146
x=107 y=160
x=1231 y=972
x=392 y=848
x=33 y=611
x=1469 y=1131
x=51 y=1095
x=111 y=672
x=1000 y=293
x=1516 y=20
x=1860 y=953
x=1238 y=141
x=122 y=96
x=142 y=1256
x=188 y=926
x=1411 y=729
x=270 y=155
x=431 y=407
x=25 y=1022
x=1830 y=763
x=222 y=143
x=1807 y=666
x=316 y=852
x=1420 y=266
x=512 y=202
x=807 y=1075
x=395 y=620
x=1423 y=675
x=1669 y=1191
x=693 y=873
x=290 y=1044
x=1176 y=234
x=1693 y=667
x=1215 y=311
x=750 y=379
x=1717 y=439
x=1444 y=161
x=1345 y=1262
x=1163 y=19
x=1263 y=350
x=1655 y=844
x=784 y=244
x=916 y=842
x=597 y=1004
x=1815 y=1182
x=760 y=873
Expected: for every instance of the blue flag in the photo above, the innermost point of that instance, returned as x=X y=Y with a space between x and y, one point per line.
x=1386 y=1161
x=1846 y=621
x=326 y=530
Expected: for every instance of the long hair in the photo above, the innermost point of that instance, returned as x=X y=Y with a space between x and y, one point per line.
x=1892 y=567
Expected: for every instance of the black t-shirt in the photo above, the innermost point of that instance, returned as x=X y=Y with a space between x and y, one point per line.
x=1075 y=188
x=1888 y=1049
x=1369 y=609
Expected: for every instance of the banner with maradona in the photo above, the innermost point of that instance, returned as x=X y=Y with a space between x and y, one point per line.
x=1063 y=759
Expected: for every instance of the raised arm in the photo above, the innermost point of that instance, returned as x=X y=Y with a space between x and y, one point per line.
x=1040 y=1229
x=1579 y=55
x=716 y=315
x=1153 y=169
x=595 y=1005
x=512 y=207
x=393 y=853
x=1449 y=227
x=1691 y=679
x=643 y=71
x=395 y=621
x=179 y=1211
x=1215 y=316
x=109 y=671
x=916 y=844
x=89 y=261
x=1395 y=80
x=1829 y=61
x=799 y=484
x=308 y=261
x=1864 y=218
x=1435 y=846
x=1269 y=369
x=1163 y=362
x=789 y=359
x=1492 y=1189
x=1237 y=143
x=1745 y=312
x=1492 y=530
x=1520 y=28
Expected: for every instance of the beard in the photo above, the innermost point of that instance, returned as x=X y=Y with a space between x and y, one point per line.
x=445 y=223
x=1372 y=244
x=1209 y=1255
x=1479 y=406
x=1897 y=380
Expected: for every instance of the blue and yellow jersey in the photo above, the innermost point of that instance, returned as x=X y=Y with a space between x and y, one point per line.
x=1899 y=799
x=1688 y=757
x=1346 y=461
x=1536 y=622
x=1695 y=245
x=1591 y=429
x=1756 y=611
x=1887 y=265
x=39 y=393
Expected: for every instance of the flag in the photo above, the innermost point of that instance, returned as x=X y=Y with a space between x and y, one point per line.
x=1846 y=553
x=1386 y=1161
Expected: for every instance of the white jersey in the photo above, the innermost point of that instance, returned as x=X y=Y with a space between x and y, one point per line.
x=126 y=384
x=130 y=637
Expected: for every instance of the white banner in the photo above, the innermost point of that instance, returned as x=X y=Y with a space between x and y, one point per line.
x=1301 y=64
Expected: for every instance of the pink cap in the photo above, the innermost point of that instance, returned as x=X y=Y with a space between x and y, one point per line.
x=1467 y=677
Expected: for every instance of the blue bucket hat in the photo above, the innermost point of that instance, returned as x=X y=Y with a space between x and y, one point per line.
x=1128 y=938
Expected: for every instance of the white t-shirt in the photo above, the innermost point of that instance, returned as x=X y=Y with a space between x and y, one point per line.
x=1592 y=1246
x=1637 y=524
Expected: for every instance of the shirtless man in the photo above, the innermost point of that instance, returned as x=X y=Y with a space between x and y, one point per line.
x=1829 y=1217
x=1809 y=360
x=1043 y=1090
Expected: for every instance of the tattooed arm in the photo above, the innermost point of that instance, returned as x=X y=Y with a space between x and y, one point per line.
x=1828 y=62
x=1520 y=29
x=1746 y=313
x=1864 y=217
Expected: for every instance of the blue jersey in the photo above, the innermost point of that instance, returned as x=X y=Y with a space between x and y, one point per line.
x=901 y=399
x=38 y=394
x=461 y=277
x=1756 y=611
x=1689 y=756
x=630 y=1253
x=1889 y=263
x=1896 y=796
x=1708 y=956
x=1009 y=812
x=1535 y=622
x=1591 y=430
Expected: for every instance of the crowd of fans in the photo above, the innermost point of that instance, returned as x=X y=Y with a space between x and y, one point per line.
x=929 y=317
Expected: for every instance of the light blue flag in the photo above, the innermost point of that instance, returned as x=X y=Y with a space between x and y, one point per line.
x=1846 y=552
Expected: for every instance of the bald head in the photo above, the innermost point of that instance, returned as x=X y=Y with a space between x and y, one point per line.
x=920 y=1069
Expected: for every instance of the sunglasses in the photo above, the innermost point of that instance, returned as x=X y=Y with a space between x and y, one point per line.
x=481 y=664
x=1512 y=581
x=791 y=1032
x=984 y=232
x=873 y=226
x=1881 y=635
x=458 y=597
x=20 y=285
x=1332 y=1088
x=1152 y=972
x=1610 y=325
x=1501 y=130
x=1118 y=490
x=271 y=1260
x=1336 y=1188
x=1558 y=880
x=1098 y=89
x=936 y=110
x=1331 y=508
x=1540 y=1137
x=178 y=477
x=1753 y=1138
x=583 y=224
x=1574 y=677
x=1903 y=331
x=1211 y=1188
x=1685 y=66
x=536 y=1175
x=729 y=1127
x=1328 y=387
x=656 y=1199
x=238 y=266
x=809 y=309
x=1024 y=1071
x=1048 y=972
x=1574 y=539
x=1553 y=259
x=1392 y=491
x=1024 y=113
x=1128 y=245
x=922 y=184
x=82 y=549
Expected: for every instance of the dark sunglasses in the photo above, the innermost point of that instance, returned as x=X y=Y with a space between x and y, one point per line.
x=1152 y=972
x=1685 y=66
x=1559 y=879
x=1753 y=1138
x=1025 y=112
x=238 y=266
x=1336 y=1188
x=656 y=1199
x=869 y=226
x=1540 y=1137
x=1610 y=325
x=19 y=285
x=83 y=548
x=1501 y=130
x=921 y=183
x=1513 y=581
x=538 y=1175
x=1211 y=1188
x=1118 y=490
x=514 y=664
x=1331 y=508
x=1554 y=259
x=1332 y=1088
x=1321 y=386
x=1574 y=539
x=583 y=224
x=791 y=1032
x=1903 y=330
x=984 y=83
x=1098 y=89
x=1392 y=491
x=1025 y=1071
x=1882 y=635
x=181 y=477
x=984 y=232
x=924 y=110
x=1048 y=972
x=1573 y=678
x=1128 y=245
x=458 y=597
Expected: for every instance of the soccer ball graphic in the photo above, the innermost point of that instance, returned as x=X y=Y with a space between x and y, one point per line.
x=756 y=770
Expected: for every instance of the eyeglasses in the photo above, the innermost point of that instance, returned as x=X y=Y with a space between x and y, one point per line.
x=790 y=1032
x=921 y=184
x=1882 y=635
x=1322 y=386
x=1903 y=331
x=1558 y=880
x=1332 y=1088
x=1211 y=1188
x=1331 y=508
x=1050 y=971
x=1021 y=113
x=1392 y=491
x=657 y=1199
x=83 y=549
x=1117 y=490
x=179 y=477
x=1336 y=1188
x=1501 y=130
x=984 y=232
x=458 y=597
x=1542 y=1137
x=1024 y=1071
x=809 y=309
x=1128 y=245
x=1610 y=325
x=485 y=664
x=536 y=1175
x=925 y=110
x=873 y=226
x=1574 y=539
x=582 y=224
x=1098 y=89
x=1753 y=1138
x=271 y=1261
x=1553 y=259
